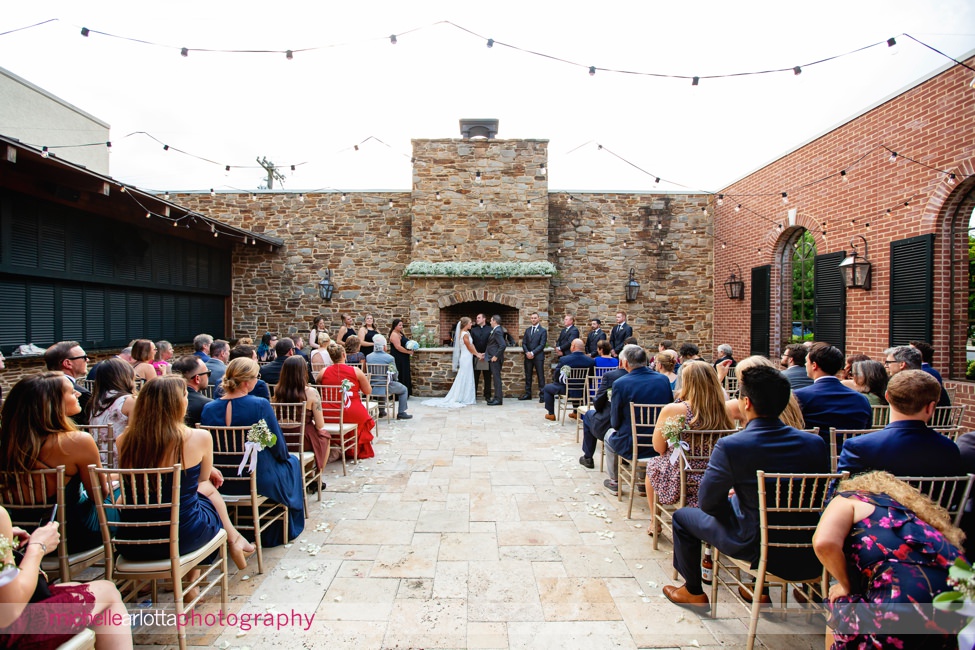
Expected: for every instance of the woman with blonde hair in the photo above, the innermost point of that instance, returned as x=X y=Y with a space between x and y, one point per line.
x=792 y=415
x=666 y=361
x=900 y=545
x=278 y=472
x=701 y=404
x=319 y=358
x=157 y=437
x=164 y=352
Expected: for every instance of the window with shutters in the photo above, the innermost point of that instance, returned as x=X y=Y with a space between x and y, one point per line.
x=911 y=289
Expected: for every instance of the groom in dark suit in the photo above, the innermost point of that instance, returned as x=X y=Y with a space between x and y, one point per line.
x=533 y=345
x=495 y=353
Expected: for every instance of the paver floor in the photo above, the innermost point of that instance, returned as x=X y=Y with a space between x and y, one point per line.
x=474 y=528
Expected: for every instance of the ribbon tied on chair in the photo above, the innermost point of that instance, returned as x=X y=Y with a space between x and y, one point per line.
x=680 y=450
x=251 y=449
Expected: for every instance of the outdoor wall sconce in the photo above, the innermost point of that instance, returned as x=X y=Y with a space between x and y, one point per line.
x=855 y=269
x=632 y=288
x=735 y=286
x=325 y=287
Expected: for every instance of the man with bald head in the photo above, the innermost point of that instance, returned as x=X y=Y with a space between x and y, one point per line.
x=577 y=358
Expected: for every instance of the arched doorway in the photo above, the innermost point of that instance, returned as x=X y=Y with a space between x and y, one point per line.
x=798 y=282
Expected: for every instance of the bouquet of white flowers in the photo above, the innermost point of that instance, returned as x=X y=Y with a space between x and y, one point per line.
x=347 y=392
x=412 y=346
x=9 y=571
x=961 y=599
x=258 y=438
x=673 y=428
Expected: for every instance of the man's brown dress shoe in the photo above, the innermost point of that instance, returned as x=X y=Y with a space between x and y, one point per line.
x=680 y=596
x=746 y=595
x=549 y=416
x=573 y=415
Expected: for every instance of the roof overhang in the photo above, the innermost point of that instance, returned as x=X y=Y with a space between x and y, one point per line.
x=27 y=170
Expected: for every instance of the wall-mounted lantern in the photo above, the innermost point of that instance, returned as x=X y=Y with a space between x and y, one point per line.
x=325 y=287
x=855 y=269
x=632 y=288
x=735 y=285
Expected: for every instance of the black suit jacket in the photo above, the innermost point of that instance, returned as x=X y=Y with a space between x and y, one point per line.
x=194 y=406
x=271 y=373
x=83 y=399
x=495 y=344
x=592 y=339
x=621 y=332
x=479 y=336
x=600 y=418
x=534 y=343
x=566 y=337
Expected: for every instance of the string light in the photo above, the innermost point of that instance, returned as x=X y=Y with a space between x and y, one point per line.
x=592 y=71
x=391 y=203
x=891 y=45
x=542 y=170
x=490 y=43
x=438 y=195
x=45 y=153
x=227 y=168
x=253 y=196
x=797 y=71
x=289 y=55
x=695 y=81
x=345 y=199
x=165 y=147
x=785 y=197
x=720 y=199
x=212 y=192
x=184 y=52
x=477 y=177
x=148 y=214
x=84 y=32
x=175 y=223
x=656 y=181
x=301 y=197
x=481 y=203
x=166 y=195
x=392 y=39
x=529 y=203
x=843 y=176
x=950 y=179
x=738 y=208
x=893 y=157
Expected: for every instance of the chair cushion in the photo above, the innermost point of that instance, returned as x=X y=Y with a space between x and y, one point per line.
x=346 y=427
x=50 y=562
x=124 y=566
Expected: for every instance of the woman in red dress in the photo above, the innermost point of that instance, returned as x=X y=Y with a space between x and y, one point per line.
x=355 y=410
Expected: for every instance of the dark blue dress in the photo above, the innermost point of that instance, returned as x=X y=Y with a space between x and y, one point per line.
x=278 y=472
x=198 y=521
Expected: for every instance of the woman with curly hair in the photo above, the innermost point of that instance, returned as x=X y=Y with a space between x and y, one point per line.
x=899 y=545
x=701 y=404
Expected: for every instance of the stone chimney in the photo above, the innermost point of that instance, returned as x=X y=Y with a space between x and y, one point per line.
x=482 y=129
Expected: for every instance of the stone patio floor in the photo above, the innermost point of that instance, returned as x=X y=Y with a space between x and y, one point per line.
x=474 y=528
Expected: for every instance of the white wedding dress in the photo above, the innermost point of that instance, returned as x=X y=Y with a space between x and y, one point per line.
x=462 y=392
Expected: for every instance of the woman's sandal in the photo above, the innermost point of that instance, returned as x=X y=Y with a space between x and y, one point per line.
x=239 y=552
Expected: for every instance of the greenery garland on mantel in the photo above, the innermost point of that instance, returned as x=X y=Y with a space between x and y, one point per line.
x=500 y=270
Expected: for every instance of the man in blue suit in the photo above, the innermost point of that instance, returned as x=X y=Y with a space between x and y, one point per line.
x=906 y=447
x=731 y=524
x=828 y=403
x=640 y=386
x=577 y=358
x=595 y=423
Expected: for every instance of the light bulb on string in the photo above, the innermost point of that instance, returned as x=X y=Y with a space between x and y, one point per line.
x=695 y=81
x=166 y=195
x=490 y=43
x=438 y=195
x=289 y=55
x=226 y=168
x=529 y=203
x=215 y=234
x=175 y=223
x=392 y=39
x=391 y=203
x=779 y=225
x=542 y=170
x=722 y=246
x=797 y=71
x=481 y=203
x=720 y=199
x=738 y=208
x=301 y=197
x=84 y=32
x=165 y=147
x=950 y=179
x=477 y=177
x=148 y=214
x=212 y=192
x=785 y=198
x=656 y=181
x=45 y=153
x=570 y=199
x=892 y=46
x=843 y=176
x=893 y=157
x=345 y=198
x=184 y=52
x=592 y=71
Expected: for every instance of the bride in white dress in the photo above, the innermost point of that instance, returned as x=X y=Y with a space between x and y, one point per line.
x=463 y=391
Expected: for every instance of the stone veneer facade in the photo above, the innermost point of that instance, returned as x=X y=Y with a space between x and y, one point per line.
x=593 y=238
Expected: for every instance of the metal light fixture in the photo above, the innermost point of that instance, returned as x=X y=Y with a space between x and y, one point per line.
x=325 y=287
x=856 y=269
x=632 y=288
x=735 y=285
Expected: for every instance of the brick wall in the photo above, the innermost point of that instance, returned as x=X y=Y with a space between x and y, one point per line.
x=933 y=122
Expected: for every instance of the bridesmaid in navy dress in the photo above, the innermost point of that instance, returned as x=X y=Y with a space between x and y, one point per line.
x=278 y=472
x=157 y=437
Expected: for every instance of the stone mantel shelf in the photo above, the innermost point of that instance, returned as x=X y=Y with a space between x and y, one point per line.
x=480 y=277
x=510 y=348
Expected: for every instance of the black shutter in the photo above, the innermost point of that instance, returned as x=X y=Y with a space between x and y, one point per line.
x=911 y=289
x=829 y=297
x=761 y=310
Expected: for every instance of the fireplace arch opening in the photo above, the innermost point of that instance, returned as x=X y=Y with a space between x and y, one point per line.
x=510 y=317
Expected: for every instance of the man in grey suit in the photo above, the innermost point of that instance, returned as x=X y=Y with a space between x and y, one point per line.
x=533 y=344
x=217 y=365
x=495 y=352
x=794 y=362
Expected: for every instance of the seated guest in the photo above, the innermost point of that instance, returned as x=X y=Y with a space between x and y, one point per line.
x=113 y=399
x=377 y=356
x=265 y=351
x=201 y=346
x=31 y=618
x=701 y=403
x=889 y=549
x=353 y=356
x=906 y=447
x=143 y=352
x=293 y=388
x=164 y=352
x=246 y=351
x=283 y=349
x=791 y=416
x=688 y=352
x=197 y=376
x=38 y=434
x=870 y=378
x=595 y=423
x=219 y=358
x=794 y=363
x=732 y=524
x=278 y=472
x=666 y=364
x=927 y=358
x=605 y=358
x=158 y=437
x=69 y=358
x=846 y=374
x=640 y=386
x=354 y=411
x=125 y=354
x=828 y=403
x=724 y=354
x=577 y=358
x=666 y=345
x=319 y=358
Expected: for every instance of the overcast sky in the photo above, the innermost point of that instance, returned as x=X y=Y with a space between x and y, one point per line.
x=234 y=107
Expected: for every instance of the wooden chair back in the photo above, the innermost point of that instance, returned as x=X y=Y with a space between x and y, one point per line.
x=881 y=416
x=24 y=495
x=104 y=435
x=947 y=417
x=950 y=492
x=836 y=439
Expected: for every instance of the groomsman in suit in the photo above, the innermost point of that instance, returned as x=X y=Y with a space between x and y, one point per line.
x=621 y=332
x=828 y=403
x=69 y=357
x=533 y=344
x=596 y=334
x=495 y=353
x=563 y=344
x=479 y=337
